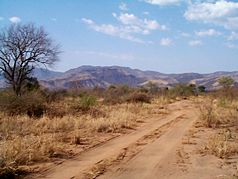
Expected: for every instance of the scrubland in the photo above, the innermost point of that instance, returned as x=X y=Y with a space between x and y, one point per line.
x=215 y=132
x=42 y=128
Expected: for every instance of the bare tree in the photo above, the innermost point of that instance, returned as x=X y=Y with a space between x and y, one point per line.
x=22 y=48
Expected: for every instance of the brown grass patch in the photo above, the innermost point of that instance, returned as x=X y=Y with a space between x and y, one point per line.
x=221 y=146
x=222 y=117
x=27 y=141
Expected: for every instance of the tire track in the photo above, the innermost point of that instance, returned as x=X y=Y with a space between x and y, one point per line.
x=129 y=152
x=95 y=161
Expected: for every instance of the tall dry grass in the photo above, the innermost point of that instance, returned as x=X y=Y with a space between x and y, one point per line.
x=220 y=114
x=222 y=145
x=69 y=122
x=25 y=140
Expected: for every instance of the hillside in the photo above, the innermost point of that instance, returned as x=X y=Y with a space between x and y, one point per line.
x=92 y=76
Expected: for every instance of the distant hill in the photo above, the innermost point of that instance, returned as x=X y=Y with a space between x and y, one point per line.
x=45 y=74
x=41 y=74
x=92 y=76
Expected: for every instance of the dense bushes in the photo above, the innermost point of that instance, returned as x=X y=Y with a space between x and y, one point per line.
x=137 y=97
x=183 y=90
x=31 y=104
x=85 y=103
x=123 y=93
x=38 y=102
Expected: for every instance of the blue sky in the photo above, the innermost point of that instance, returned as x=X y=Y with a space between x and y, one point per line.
x=170 y=36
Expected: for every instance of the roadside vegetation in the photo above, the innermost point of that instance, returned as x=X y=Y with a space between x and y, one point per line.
x=219 y=114
x=42 y=125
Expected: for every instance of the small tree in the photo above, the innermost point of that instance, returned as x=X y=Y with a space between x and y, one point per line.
x=32 y=84
x=22 y=48
x=226 y=82
x=152 y=87
x=201 y=89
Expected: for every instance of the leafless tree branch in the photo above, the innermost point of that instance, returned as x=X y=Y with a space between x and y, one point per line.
x=22 y=47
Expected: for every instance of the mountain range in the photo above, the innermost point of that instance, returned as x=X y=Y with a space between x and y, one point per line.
x=92 y=76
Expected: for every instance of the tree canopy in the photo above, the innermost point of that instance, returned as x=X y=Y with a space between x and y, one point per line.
x=226 y=82
x=22 y=48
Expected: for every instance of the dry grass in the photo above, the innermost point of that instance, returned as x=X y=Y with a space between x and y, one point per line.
x=208 y=114
x=222 y=116
x=215 y=115
x=222 y=145
x=26 y=141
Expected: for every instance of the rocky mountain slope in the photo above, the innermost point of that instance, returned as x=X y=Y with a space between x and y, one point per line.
x=92 y=76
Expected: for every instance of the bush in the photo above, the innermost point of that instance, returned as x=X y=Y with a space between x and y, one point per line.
x=85 y=103
x=56 y=111
x=201 y=89
x=183 y=90
x=31 y=104
x=208 y=115
x=52 y=96
x=117 y=94
x=137 y=97
x=220 y=145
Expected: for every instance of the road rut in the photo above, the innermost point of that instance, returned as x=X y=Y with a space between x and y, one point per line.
x=163 y=134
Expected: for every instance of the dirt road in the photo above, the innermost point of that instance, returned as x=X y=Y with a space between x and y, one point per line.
x=144 y=153
x=155 y=160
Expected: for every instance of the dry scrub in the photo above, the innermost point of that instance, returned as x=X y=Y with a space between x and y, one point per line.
x=26 y=141
x=222 y=145
x=222 y=116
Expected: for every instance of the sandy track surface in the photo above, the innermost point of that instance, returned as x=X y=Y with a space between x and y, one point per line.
x=154 y=160
x=139 y=154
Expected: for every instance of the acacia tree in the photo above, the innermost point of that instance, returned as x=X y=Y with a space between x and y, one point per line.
x=22 y=48
x=226 y=82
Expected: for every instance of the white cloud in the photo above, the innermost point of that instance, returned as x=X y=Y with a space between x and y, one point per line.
x=15 y=19
x=129 y=25
x=209 y=32
x=164 y=2
x=145 y=25
x=233 y=36
x=123 y=7
x=112 y=30
x=87 y=21
x=219 y=12
x=127 y=19
x=166 y=42
x=195 y=43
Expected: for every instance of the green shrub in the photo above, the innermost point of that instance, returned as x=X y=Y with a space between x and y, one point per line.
x=183 y=90
x=85 y=103
x=201 y=89
x=31 y=84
